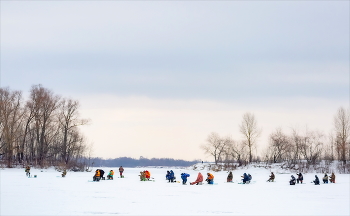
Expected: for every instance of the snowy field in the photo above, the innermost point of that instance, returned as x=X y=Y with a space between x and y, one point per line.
x=49 y=194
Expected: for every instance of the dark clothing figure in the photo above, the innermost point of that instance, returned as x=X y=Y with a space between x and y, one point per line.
x=300 y=178
x=272 y=177
x=246 y=179
x=64 y=173
x=184 y=177
x=229 y=177
x=27 y=170
x=332 y=178
x=316 y=181
x=292 y=181
x=325 y=179
x=167 y=176
x=121 y=170
x=171 y=176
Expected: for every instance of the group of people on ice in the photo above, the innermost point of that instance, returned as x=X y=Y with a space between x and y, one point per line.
x=170 y=177
x=316 y=181
x=99 y=174
x=145 y=175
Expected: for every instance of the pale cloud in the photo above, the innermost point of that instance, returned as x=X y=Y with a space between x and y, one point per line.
x=134 y=127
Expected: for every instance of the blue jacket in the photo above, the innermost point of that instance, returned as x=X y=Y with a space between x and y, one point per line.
x=245 y=177
x=184 y=176
x=171 y=175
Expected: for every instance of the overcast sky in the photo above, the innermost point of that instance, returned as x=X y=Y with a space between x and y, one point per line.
x=156 y=77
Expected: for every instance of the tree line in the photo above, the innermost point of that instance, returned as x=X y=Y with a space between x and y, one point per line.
x=41 y=131
x=294 y=149
x=132 y=162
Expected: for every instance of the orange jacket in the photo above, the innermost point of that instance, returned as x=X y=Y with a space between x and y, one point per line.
x=210 y=176
x=147 y=174
x=97 y=174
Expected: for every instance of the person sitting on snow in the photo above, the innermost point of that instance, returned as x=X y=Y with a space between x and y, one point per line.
x=292 y=181
x=167 y=176
x=97 y=176
x=245 y=178
x=250 y=178
x=325 y=179
x=332 y=178
x=101 y=174
x=64 y=173
x=171 y=176
x=316 y=181
x=147 y=175
x=272 y=177
x=210 y=178
x=230 y=177
x=142 y=176
x=184 y=177
x=110 y=175
x=300 y=178
x=199 y=179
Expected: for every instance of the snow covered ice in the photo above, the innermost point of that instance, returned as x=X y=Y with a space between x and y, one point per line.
x=49 y=194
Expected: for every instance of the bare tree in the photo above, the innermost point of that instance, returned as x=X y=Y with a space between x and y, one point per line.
x=342 y=131
x=69 y=121
x=215 y=146
x=250 y=131
x=279 y=146
x=11 y=116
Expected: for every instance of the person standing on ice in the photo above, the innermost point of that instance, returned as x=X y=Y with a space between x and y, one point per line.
x=147 y=175
x=121 y=170
x=332 y=178
x=199 y=179
x=96 y=176
x=316 y=181
x=292 y=181
x=27 y=170
x=230 y=177
x=325 y=179
x=272 y=177
x=184 y=177
x=210 y=178
x=300 y=178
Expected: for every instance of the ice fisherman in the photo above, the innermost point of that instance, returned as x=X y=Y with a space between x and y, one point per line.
x=147 y=174
x=246 y=179
x=167 y=175
x=316 y=181
x=199 y=179
x=300 y=178
x=97 y=175
x=110 y=175
x=184 y=177
x=325 y=179
x=230 y=177
x=271 y=177
x=210 y=178
x=27 y=170
x=332 y=178
x=172 y=176
x=292 y=180
x=64 y=173
x=121 y=170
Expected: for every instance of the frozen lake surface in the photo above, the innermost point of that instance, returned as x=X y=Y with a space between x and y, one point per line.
x=49 y=194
